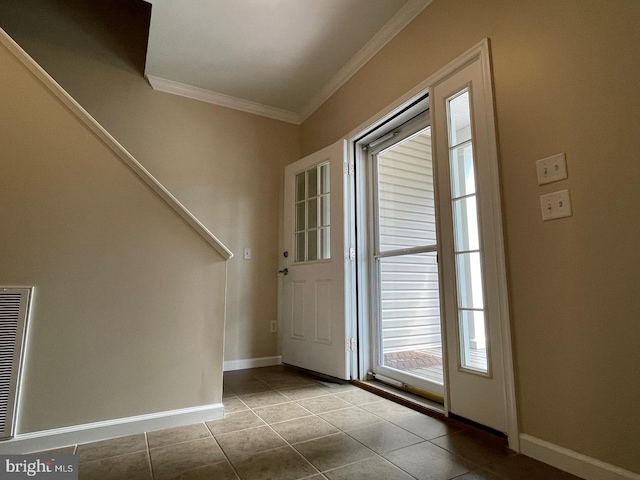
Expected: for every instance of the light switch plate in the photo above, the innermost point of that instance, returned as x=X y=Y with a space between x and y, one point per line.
x=555 y=205
x=551 y=169
x=246 y=254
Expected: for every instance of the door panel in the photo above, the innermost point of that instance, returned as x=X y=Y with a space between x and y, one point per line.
x=315 y=302
x=297 y=309
x=468 y=206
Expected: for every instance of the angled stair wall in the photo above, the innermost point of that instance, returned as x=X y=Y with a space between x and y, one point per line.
x=128 y=319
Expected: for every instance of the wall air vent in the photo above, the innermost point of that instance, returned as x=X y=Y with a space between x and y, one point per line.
x=14 y=310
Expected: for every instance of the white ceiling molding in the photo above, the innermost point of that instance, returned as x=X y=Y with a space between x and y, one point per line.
x=176 y=88
x=400 y=20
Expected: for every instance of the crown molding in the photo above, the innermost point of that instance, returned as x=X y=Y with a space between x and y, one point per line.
x=209 y=96
x=400 y=20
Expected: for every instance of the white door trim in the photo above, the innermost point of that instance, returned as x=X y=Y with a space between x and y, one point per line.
x=479 y=52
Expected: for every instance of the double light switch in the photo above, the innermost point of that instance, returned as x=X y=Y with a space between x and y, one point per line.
x=556 y=204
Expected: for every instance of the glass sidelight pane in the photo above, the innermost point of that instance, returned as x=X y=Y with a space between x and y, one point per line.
x=469 y=275
x=459 y=119
x=463 y=181
x=466 y=238
x=465 y=223
x=473 y=346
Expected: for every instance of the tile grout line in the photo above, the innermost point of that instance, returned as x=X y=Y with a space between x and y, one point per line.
x=223 y=452
x=112 y=456
x=291 y=447
x=148 y=452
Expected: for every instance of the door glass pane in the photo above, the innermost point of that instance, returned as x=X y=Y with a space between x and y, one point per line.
x=473 y=346
x=312 y=245
x=312 y=183
x=312 y=210
x=325 y=210
x=312 y=219
x=324 y=178
x=410 y=315
x=463 y=181
x=300 y=190
x=465 y=224
x=300 y=216
x=406 y=205
x=300 y=247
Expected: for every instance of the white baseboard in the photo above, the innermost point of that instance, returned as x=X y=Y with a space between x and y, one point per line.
x=572 y=462
x=93 y=432
x=230 y=365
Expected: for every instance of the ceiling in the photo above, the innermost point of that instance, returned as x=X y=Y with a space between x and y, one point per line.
x=278 y=58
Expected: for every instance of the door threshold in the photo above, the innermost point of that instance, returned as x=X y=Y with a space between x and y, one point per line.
x=410 y=400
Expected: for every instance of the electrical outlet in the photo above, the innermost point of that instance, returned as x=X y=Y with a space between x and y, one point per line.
x=551 y=169
x=555 y=205
x=273 y=326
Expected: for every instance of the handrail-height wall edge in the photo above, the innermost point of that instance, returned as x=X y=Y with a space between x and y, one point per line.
x=113 y=144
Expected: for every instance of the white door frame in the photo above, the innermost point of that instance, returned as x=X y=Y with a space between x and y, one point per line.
x=481 y=53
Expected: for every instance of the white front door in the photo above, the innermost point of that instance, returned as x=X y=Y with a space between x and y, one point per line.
x=317 y=290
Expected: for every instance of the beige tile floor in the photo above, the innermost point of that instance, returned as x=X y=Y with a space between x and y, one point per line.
x=283 y=424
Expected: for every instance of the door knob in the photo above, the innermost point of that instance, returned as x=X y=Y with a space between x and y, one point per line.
x=284 y=271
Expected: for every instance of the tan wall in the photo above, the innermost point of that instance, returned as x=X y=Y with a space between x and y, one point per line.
x=225 y=166
x=566 y=80
x=128 y=310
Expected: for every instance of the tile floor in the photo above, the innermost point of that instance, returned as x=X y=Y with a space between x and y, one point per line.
x=283 y=424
